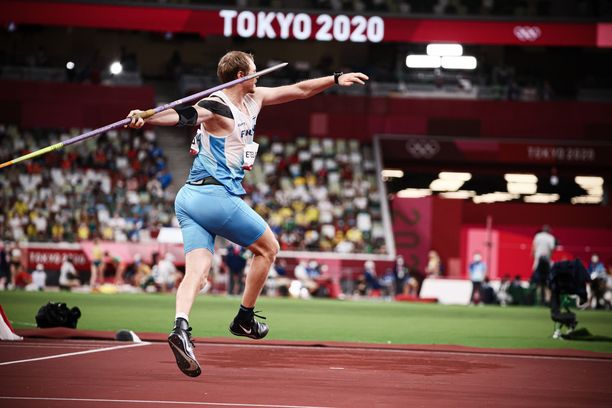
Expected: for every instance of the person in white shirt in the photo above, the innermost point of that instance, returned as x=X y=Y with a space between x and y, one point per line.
x=68 y=274
x=165 y=274
x=301 y=274
x=543 y=246
x=39 y=279
x=477 y=270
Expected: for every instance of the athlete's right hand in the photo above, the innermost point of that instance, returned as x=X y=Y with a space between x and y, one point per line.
x=137 y=121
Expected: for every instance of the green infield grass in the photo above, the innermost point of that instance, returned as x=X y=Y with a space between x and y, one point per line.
x=320 y=319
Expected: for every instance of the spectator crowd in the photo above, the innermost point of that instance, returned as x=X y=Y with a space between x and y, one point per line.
x=318 y=195
x=112 y=187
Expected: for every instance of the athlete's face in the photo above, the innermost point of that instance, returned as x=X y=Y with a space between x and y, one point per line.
x=250 y=84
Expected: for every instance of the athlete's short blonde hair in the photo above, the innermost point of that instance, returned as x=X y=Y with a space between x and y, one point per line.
x=233 y=62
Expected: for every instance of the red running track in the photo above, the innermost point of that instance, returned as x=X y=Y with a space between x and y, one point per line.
x=93 y=374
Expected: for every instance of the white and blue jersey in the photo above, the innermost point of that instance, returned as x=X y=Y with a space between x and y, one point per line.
x=205 y=211
x=222 y=157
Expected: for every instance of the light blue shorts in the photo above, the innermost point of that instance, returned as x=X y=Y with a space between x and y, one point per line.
x=204 y=212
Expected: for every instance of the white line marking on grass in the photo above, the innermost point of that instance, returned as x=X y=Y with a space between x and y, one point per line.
x=76 y=353
x=121 y=401
x=14 y=323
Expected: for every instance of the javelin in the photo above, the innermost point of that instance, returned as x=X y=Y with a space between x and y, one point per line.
x=146 y=114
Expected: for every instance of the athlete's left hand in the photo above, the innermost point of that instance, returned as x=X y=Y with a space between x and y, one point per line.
x=137 y=120
x=351 y=78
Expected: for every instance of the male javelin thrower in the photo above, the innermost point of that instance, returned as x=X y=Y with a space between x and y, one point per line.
x=210 y=202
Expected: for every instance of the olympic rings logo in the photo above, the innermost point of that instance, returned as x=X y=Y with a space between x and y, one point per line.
x=422 y=148
x=527 y=33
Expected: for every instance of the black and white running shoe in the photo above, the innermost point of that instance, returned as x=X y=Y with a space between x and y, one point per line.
x=251 y=328
x=182 y=346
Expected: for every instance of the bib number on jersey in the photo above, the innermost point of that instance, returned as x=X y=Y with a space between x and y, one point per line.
x=194 y=149
x=249 y=155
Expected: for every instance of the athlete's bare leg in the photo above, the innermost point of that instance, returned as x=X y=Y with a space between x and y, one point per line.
x=264 y=251
x=93 y=280
x=197 y=265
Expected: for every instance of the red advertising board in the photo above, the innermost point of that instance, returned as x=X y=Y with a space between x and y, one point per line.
x=286 y=24
x=412 y=221
x=604 y=35
x=52 y=255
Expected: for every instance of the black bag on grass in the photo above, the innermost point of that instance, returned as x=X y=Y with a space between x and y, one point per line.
x=57 y=315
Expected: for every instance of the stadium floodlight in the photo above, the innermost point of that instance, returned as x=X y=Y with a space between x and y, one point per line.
x=595 y=191
x=541 y=198
x=459 y=194
x=587 y=182
x=522 y=188
x=422 y=61
x=445 y=50
x=455 y=175
x=116 y=68
x=554 y=180
x=446 y=185
x=390 y=173
x=414 y=193
x=586 y=199
x=520 y=178
x=464 y=62
x=70 y=65
x=494 y=197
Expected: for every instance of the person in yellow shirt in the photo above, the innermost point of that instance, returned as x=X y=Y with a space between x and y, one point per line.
x=96 y=263
x=57 y=231
x=83 y=232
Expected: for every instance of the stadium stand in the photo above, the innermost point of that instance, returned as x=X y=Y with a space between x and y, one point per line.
x=112 y=187
x=318 y=195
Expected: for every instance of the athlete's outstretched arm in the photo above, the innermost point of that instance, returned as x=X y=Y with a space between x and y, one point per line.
x=189 y=116
x=306 y=89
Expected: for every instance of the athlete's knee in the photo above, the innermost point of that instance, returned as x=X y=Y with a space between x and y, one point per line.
x=268 y=250
x=203 y=280
x=196 y=273
x=197 y=265
x=275 y=247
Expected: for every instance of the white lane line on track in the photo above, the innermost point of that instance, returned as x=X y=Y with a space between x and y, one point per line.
x=49 y=346
x=76 y=353
x=122 y=401
x=429 y=353
x=59 y=343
